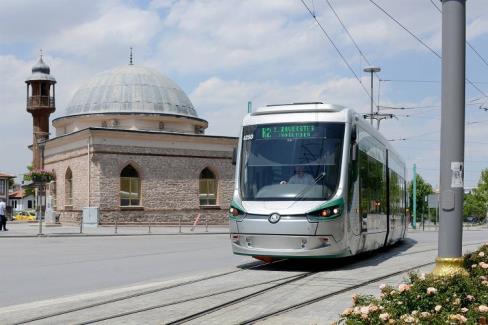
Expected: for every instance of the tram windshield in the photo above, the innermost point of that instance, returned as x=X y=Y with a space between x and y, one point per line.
x=292 y=161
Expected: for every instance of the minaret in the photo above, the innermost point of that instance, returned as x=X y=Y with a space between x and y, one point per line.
x=40 y=103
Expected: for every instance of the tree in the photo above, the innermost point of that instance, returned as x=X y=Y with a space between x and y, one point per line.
x=28 y=191
x=476 y=202
x=423 y=190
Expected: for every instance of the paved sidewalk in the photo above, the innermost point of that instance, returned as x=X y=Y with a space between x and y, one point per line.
x=18 y=229
x=31 y=229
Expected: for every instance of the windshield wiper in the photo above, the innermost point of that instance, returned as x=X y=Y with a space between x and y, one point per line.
x=300 y=195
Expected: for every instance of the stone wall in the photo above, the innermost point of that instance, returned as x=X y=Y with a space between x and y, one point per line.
x=167 y=217
x=77 y=162
x=169 y=183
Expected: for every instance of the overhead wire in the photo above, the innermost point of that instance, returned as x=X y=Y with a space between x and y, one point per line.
x=337 y=50
x=348 y=33
x=427 y=81
x=437 y=131
x=422 y=42
x=361 y=53
x=410 y=80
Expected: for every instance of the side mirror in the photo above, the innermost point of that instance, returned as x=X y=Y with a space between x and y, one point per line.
x=234 y=156
x=354 y=151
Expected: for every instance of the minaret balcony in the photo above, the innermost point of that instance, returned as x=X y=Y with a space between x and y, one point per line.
x=40 y=102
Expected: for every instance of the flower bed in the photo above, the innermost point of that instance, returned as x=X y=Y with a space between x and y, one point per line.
x=40 y=176
x=425 y=299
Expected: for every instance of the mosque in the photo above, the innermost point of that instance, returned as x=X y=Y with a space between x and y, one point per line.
x=130 y=148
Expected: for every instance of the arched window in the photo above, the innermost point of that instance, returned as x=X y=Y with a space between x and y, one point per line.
x=130 y=187
x=68 y=188
x=208 y=188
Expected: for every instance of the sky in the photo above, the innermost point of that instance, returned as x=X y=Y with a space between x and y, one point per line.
x=226 y=53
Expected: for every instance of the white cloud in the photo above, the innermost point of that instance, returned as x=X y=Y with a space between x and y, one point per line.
x=118 y=27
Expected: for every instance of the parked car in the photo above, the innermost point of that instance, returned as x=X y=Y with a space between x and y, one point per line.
x=25 y=216
x=472 y=219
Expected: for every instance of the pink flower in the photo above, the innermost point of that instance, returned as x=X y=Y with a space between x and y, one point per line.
x=470 y=298
x=373 y=308
x=347 y=312
x=437 y=308
x=354 y=298
x=403 y=287
x=473 y=266
x=481 y=254
x=464 y=310
x=460 y=318
x=431 y=291
x=424 y=314
x=364 y=310
x=384 y=317
x=483 y=308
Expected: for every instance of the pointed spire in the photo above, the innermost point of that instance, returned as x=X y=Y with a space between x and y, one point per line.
x=130 y=57
x=40 y=66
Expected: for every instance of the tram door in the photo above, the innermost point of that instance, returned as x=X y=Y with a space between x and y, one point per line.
x=372 y=185
x=353 y=190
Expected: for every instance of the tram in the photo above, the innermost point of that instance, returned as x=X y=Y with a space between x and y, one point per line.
x=314 y=180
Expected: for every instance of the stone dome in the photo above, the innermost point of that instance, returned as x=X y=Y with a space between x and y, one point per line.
x=130 y=89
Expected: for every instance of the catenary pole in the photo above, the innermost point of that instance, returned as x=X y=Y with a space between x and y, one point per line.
x=449 y=258
x=372 y=70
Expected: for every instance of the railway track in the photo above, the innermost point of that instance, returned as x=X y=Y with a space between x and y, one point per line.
x=319 y=298
x=139 y=294
x=262 y=288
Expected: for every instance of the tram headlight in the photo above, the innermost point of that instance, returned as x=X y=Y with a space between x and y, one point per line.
x=330 y=212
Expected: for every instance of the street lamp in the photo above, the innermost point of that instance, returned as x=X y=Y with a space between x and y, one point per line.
x=372 y=70
x=41 y=144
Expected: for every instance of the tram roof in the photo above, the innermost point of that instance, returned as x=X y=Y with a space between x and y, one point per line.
x=298 y=108
x=338 y=111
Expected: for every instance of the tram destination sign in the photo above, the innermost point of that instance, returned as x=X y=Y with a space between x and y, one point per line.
x=288 y=131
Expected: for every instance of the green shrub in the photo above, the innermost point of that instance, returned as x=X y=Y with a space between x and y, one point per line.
x=425 y=299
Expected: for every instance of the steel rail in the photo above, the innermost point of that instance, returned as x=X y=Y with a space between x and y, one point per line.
x=135 y=295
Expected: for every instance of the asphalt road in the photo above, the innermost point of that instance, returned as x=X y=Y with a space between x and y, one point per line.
x=40 y=268
x=35 y=269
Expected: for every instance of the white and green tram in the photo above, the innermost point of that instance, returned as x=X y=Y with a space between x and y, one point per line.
x=315 y=180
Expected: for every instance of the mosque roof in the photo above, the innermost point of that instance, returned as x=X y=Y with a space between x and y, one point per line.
x=130 y=89
x=41 y=71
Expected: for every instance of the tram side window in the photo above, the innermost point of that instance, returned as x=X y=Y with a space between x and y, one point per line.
x=395 y=193
x=372 y=185
x=402 y=196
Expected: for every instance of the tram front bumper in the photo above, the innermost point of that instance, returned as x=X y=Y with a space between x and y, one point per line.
x=287 y=246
